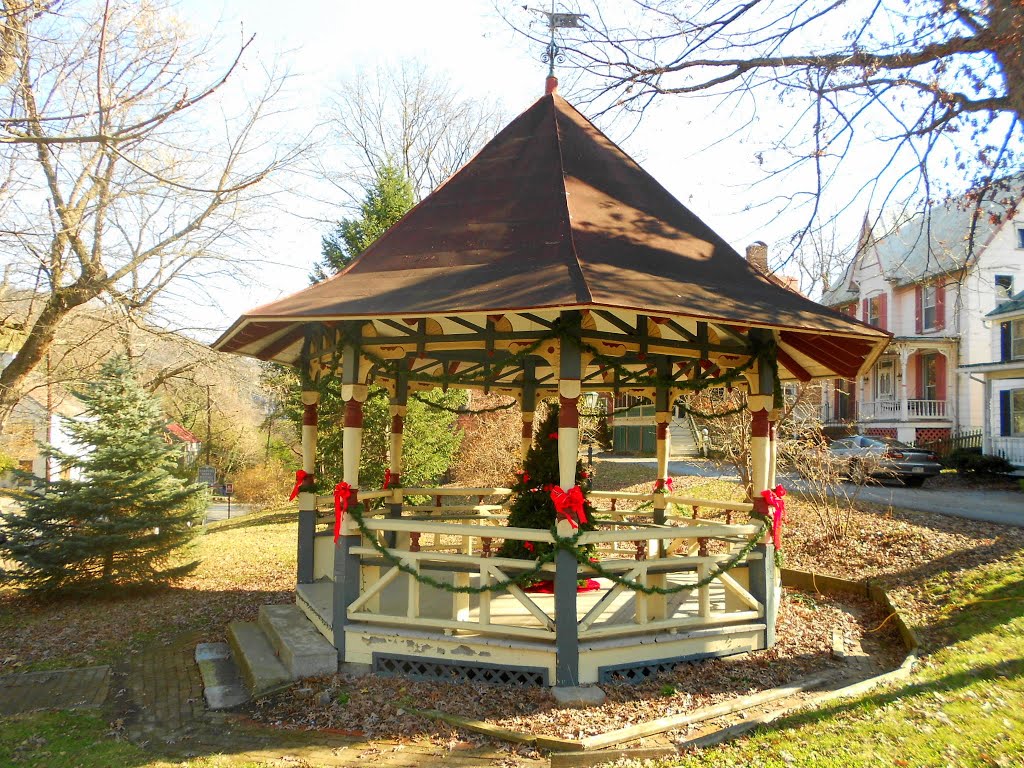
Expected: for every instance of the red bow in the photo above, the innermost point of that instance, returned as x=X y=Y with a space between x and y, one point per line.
x=569 y=505
x=774 y=498
x=342 y=493
x=524 y=475
x=388 y=477
x=666 y=484
x=300 y=477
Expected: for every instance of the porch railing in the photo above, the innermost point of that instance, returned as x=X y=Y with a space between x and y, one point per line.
x=457 y=545
x=1010 y=448
x=892 y=410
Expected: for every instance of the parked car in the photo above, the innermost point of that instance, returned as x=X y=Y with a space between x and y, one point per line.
x=885 y=457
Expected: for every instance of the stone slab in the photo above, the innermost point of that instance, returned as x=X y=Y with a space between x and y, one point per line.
x=222 y=682
x=259 y=666
x=578 y=696
x=84 y=687
x=303 y=650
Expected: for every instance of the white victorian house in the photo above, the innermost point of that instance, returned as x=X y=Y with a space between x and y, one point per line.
x=931 y=283
x=1003 y=378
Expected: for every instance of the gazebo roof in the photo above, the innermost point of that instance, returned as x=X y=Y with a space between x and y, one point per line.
x=552 y=214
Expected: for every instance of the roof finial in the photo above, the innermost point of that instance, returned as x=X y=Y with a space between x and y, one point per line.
x=554 y=53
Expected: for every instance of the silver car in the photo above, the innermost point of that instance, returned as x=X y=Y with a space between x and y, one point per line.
x=884 y=457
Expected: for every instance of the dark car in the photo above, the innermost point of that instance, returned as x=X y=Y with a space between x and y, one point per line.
x=885 y=457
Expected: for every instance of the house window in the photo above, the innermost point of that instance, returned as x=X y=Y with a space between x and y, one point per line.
x=1017 y=340
x=928 y=306
x=875 y=312
x=1004 y=287
x=929 y=377
x=1020 y=235
x=1017 y=412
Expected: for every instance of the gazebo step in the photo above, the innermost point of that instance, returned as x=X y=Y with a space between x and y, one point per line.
x=222 y=684
x=260 y=668
x=303 y=650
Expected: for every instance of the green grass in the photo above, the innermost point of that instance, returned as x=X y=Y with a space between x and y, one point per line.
x=84 y=740
x=964 y=705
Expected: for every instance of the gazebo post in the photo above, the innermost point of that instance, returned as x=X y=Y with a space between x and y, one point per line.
x=762 y=571
x=567 y=651
x=346 y=565
x=773 y=446
x=307 y=495
x=398 y=409
x=656 y=604
x=529 y=405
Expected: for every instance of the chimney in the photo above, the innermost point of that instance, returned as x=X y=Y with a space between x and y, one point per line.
x=550 y=85
x=757 y=256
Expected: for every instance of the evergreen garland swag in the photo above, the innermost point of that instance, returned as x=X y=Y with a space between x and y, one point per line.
x=531 y=505
x=122 y=515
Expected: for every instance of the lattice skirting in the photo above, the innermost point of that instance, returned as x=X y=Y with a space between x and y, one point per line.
x=417 y=668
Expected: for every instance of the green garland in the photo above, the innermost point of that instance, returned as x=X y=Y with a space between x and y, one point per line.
x=567 y=543
x=461 y=411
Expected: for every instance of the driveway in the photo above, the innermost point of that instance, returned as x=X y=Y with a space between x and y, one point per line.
x=219 y=511
x=1006 y=507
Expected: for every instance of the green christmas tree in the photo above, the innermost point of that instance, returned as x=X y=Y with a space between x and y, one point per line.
x=531 y=505
x=119 y=525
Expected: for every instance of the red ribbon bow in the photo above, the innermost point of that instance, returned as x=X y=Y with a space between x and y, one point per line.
x=569 y=505
x=300 y=477
x=666 y=484
x=774 y=498
x=342 y=493
x=387 y=479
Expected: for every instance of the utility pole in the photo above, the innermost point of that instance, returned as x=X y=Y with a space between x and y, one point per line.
x=209 y=422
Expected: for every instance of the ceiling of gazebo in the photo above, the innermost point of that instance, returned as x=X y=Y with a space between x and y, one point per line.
x=551 y=215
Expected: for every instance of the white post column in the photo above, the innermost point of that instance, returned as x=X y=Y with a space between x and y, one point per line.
x=773 y=446
x=346 y=565
x=307 y=496
x=904 y=399
x=528 y=404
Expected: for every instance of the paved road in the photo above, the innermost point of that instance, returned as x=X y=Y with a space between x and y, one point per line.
x=219 y=511
x=1006 y=507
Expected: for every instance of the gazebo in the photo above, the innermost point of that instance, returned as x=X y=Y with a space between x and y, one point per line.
x=551 y=265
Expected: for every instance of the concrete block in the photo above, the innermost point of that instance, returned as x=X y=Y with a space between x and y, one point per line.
x=578 y=696
x=258 y=664
x=302 y=649
x=222 y=683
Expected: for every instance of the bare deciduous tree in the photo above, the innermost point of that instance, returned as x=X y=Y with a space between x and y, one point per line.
x=409 y=117
x=126 y=167
x=940 y=83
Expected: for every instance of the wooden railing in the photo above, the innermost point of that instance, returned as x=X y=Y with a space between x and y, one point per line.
x=458 y=544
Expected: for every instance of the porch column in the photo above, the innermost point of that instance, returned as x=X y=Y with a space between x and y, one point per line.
x=657 y=604
x=762 y=571
x=773 y=446
x=346 y=565
x=567 y=654
x=986 y=415
x=904 y=399
x=307 y=496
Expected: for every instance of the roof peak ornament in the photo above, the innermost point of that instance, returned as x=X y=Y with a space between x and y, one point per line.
x=553 y=54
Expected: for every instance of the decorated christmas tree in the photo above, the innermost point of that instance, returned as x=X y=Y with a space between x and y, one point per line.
x=532 y=505
x=123 y=519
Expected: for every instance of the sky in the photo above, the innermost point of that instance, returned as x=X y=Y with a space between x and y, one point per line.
x=704 y=154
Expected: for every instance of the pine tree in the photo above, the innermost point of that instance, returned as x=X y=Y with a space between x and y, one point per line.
x=122 y=522
x=531 y=505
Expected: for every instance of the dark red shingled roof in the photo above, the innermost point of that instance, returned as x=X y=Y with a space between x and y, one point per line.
x=550 y=213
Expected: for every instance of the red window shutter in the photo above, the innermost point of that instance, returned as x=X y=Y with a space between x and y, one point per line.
x=918 y=314
x=864 y=310
x=940 y=377
x=883 y=312
x=940 y=306
x=919 y=367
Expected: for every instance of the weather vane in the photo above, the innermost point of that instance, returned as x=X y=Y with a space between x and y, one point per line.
x=556 y=21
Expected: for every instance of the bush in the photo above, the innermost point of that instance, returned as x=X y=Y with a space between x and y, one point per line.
x=972 y=463
x=263 y=485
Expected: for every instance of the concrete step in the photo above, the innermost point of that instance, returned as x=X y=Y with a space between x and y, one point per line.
x=259 y=666
x=300 y=646
x=683 y=443
x=222 y=681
